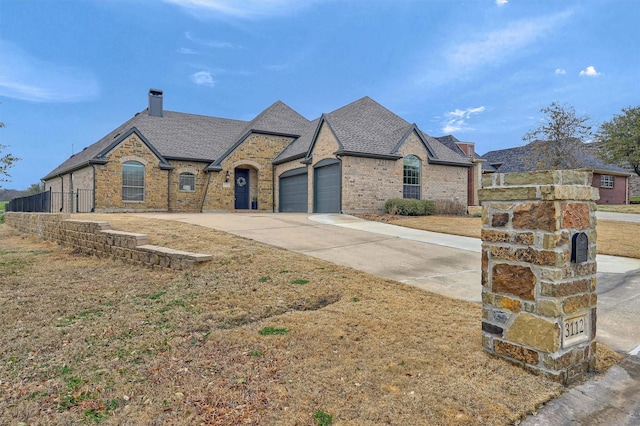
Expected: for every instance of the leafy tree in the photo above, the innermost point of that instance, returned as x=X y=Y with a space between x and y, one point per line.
x=5 y=162
x=556 y=139
x=34 y=188
x=619 y=139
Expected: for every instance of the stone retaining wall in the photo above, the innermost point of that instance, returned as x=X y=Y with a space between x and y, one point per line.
x=98 y=239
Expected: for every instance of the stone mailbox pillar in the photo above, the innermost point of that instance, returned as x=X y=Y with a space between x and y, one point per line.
x=539 y=271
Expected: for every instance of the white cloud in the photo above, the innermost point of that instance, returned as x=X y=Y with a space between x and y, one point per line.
x=187 y=51
x=493 y=46
x=501 y=2
x=484 y=50
x=25 y=77
x=590 y=71
x=203 y=78
x=244 y=9
x=457 y=119
x=560 y=71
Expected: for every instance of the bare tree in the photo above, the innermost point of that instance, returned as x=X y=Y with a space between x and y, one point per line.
x=5 y=162
x=619 y=139
x=556 y=140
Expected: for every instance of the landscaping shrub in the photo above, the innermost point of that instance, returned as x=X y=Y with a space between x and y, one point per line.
x=409 y=207
x=450 y=208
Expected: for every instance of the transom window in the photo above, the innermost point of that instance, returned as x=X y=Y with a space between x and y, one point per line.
x=132 y=181
x=187 y=182
x=606 y=181
x=411 y=177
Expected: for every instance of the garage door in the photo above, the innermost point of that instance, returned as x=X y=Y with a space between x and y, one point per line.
x=293 y=191
x=327 y=187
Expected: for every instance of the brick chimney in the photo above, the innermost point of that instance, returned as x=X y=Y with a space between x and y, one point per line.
x=155 y=103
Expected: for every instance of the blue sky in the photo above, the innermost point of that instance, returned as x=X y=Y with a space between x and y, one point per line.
x=73 y=70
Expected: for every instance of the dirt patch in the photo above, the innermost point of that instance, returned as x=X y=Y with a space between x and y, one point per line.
x=87 y=340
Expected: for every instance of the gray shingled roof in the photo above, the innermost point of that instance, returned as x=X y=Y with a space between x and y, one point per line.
x=366 y=127
x=445 y=154
x=279 y=118
x=175 y=135
x=523 y=159
x=363 y=126
x=450 y=142
x=299 y=147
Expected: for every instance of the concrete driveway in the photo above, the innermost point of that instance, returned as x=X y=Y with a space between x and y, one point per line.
x=367 y=246
x=440 y=263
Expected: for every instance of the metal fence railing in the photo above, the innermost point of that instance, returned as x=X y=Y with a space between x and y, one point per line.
x=33 y=203
x=80 y=201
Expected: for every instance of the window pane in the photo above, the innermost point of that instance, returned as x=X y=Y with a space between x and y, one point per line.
x=132 y=181
x=606 y=181
x=410 y=191
x=187 y=182
x=132 y=194
x=411 y=177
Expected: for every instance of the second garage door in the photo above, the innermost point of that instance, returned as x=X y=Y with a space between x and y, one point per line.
x=326 y=187
x=293 y=191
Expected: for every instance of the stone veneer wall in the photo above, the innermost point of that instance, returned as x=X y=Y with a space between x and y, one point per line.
x=98 y=239
x=539 y=307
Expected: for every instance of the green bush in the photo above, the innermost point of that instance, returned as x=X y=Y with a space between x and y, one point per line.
x=409 y=207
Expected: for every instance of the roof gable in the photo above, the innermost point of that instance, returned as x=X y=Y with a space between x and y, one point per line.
x=278 y=119
x=365 y=126
x=101 y=157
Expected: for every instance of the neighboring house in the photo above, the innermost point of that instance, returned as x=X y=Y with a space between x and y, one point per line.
x=612 y=181
x=350 y=160
x=474 y=174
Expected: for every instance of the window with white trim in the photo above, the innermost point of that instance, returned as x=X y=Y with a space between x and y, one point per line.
x=187 y=182
x=411 y=177
x=606 y=181
x=132 y=181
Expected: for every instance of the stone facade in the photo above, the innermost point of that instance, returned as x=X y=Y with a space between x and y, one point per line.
x=256 y=153
x=538 y=284
x=108 y=184
x=98 y=239
x=187 y=200
x=366 y=182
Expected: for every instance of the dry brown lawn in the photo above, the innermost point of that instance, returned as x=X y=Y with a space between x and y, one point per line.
x=609 y=232
x=87 y=340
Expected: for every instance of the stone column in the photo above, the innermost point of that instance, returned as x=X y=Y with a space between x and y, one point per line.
x=539 y=271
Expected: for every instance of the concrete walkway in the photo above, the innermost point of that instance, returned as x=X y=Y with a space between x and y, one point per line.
x=619 y=217
x=450 y=265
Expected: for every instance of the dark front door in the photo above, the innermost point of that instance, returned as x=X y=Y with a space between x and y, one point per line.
x=242 y=188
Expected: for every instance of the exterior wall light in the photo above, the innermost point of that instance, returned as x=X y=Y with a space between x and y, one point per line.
x=226 y=179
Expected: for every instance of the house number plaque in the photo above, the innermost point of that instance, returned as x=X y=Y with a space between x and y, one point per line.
x=575 y=330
